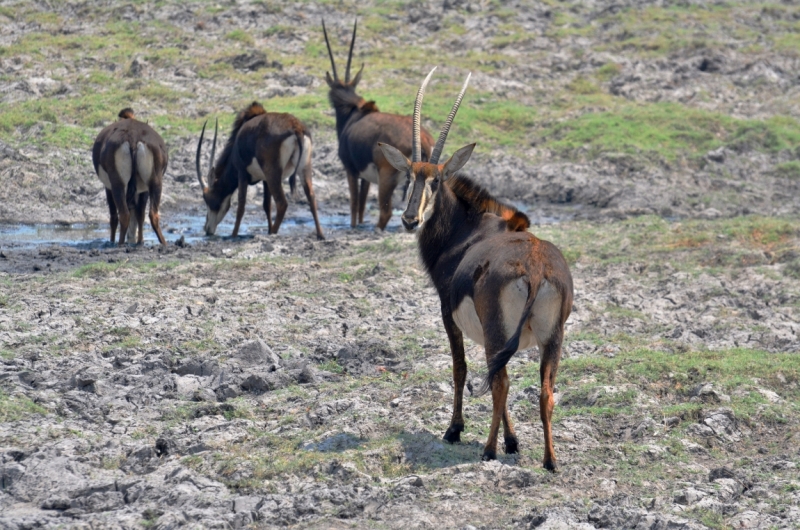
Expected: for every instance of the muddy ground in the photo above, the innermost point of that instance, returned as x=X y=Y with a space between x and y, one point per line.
x=273 y=381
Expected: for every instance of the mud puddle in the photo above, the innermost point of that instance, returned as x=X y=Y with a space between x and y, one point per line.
x=189 y=225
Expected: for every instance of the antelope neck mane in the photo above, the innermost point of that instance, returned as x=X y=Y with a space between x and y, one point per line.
x=255 y=109
x=480 y=201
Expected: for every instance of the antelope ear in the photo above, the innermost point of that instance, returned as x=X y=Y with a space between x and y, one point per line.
x=397 y=159
x=357 y=78
x=329 y=79
x=457 y=161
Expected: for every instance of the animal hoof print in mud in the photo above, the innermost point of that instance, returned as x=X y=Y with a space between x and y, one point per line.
x=489 y=455
x=453 y=435
x=511 y=447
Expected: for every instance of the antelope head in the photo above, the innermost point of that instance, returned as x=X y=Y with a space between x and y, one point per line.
x=334 y=82
x=425 y=178
x=216 y=206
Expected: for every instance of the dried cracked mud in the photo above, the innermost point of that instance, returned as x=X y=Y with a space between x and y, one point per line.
x=274 y=381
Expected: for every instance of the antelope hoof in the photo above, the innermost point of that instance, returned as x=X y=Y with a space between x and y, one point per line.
x=511 y=446
x=489 y=454
x=453 y=434
x=551 y=465
x=320 y=237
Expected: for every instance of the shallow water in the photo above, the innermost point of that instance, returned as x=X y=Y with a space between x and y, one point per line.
x=186 y=225
x=190 y=226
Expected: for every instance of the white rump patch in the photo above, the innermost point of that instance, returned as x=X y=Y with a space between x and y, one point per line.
x=255 y=171
x=467 y=320
x=144 y=167
x=512 y=303
x=370 y=173
x=124 y=163
x=546 y=312
x=103 y=176
x=289 y=155
x=544 y=315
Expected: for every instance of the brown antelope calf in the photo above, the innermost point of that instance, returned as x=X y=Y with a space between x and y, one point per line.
x=263 y=146
x=130 y=159
x=498 y=284
x=359 y=127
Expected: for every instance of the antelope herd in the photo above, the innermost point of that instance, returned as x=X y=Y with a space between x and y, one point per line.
x=498 y=284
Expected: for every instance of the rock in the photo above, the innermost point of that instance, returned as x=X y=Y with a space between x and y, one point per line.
x=266 y=382
x=706 y=393
x=255 y=353
x=724 y=424
x=720 y=472
x=248 y=61
x=137 y=67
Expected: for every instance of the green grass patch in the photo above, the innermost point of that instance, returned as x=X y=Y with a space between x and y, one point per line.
x=14 y=408
x=789 y=169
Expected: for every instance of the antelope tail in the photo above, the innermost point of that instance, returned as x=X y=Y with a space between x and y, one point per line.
x=293 y=177
x=501 y=358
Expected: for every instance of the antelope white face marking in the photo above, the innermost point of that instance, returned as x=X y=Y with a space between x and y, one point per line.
x=144 y=167
x=213 y=219
x=255 y=171
x=467 y=320
x=123 y=162
x=427 y=202
x=370 y=173
x=103 y=176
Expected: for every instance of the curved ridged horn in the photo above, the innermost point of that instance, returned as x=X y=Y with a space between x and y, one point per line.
x=416 y=144
x=213 y=153
x=437 y=149
x=197 y=157
x=330 y=53
x=350 y=55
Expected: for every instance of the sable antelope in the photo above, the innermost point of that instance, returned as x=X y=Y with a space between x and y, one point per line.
x=130 y=159
x=267 y=146
x=359 y=127
x=498 y=284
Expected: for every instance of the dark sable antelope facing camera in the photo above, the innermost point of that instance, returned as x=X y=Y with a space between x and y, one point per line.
x=498 y=284
x=359 y=127
x=263 y=146
x=130 y=159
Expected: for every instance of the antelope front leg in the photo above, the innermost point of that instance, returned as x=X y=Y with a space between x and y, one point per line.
x=386 y=186
x=453 y=433
x=499 y=397
x=308 y=188
x=240 y=206
x=509 y=436
x=352 y=183
x=112 y=212
x=155 y=218
x=123 y=213
x=362 y=200
x=551 y=355
x=268 y=206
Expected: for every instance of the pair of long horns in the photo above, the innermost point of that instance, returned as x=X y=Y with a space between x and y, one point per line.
x=213 y=152
x=416 y=147
x=349 y=55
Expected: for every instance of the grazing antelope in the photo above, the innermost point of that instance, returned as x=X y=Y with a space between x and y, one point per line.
x=130 y=159
x=266 y=146
x=359 y=127
x=498 y=284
